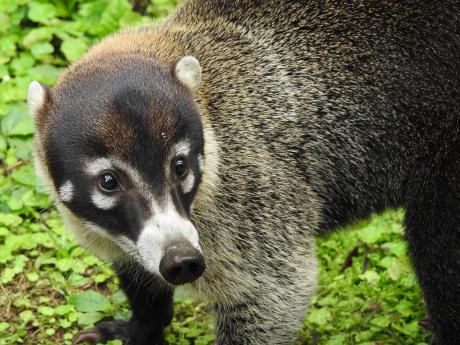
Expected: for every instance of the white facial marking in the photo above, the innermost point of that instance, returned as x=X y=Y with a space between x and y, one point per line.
x=102 y=201
x=188 y=71
x=188 y=183
x=66 y=191
x=165 y=226
x=35 y=97
x=200 y=162
x=182 y=148
x=97 y=166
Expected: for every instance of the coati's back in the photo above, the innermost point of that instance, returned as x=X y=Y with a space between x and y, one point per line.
x=357 y=97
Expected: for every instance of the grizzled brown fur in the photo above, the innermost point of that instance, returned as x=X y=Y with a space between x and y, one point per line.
x=314 y=114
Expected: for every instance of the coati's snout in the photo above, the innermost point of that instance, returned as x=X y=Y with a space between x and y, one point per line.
x=181 y=263
x=120 y=142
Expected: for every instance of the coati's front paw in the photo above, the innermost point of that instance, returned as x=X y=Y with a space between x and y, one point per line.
x=129 y=332
x=105 y=331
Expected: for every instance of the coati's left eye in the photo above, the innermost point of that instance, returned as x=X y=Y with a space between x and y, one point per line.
x=181 y=167
x=108 y=182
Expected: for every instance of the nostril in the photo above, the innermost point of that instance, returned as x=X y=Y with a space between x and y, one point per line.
x=176 y=271
x=193 y=267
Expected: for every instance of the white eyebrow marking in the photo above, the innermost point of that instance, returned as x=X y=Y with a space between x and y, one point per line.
x=188 y=183
x=66 y=191
x=102 y=201
x=99 y=165
x=182 y=148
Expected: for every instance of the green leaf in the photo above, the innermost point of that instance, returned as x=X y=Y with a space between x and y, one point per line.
x=7 y=275
x=37 y=35
x=22 y=64
x=371 y=277
x=381 y=321
x=87 y=319
x=408 y=329
x=26 y=315
x=319 y=316
x=4 y=326
x=336 y=340
x=110 y=19
x=89 y=301
x=73 y=48
x=47 y=311
x=64 y=309
x=24 y=175
x=19 y=263
x=7 y=48
x=4 y=232
x=404 y=308
x=18 y=121
x=32 y=276
x=41 y=50
x=116 y=342
x=21 y=197
x=10 y=220
x=45 y=73
x=395 y=270
x=41 y=12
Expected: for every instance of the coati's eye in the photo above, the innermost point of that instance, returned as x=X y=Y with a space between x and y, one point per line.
x=180 y=167
x=108 y=182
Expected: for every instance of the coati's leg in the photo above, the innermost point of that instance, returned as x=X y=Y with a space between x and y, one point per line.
x=152 y=310
x=272 y=314
x=433 y=232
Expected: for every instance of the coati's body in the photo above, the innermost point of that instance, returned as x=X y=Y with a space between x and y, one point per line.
x=313 y=114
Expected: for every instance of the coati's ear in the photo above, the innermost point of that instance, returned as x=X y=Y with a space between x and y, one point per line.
x=37 y=95
x=188 y=72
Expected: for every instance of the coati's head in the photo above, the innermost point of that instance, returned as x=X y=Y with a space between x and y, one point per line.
x=120 y=142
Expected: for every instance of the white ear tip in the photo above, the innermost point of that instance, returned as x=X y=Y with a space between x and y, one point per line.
x=35 y=96
x=188 y=71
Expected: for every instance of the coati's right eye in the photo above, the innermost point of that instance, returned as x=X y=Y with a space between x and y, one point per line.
x=108 y=182
x=180 y=167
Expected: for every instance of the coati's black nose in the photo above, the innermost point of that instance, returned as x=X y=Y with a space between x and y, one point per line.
x=182 y=264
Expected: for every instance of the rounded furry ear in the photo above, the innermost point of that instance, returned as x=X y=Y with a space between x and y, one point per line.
x=188 y=72
x=36 y=97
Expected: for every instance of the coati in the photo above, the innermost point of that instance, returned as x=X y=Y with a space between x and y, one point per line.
x=210 y=149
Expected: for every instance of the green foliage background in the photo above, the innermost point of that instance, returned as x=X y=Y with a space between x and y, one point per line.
x=50 y=287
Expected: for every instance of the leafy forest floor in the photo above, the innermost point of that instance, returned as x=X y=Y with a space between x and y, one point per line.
x=50 y=287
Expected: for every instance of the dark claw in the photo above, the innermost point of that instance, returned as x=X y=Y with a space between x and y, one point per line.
x=104 y=331
x=90 y=335
x=425 y=324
